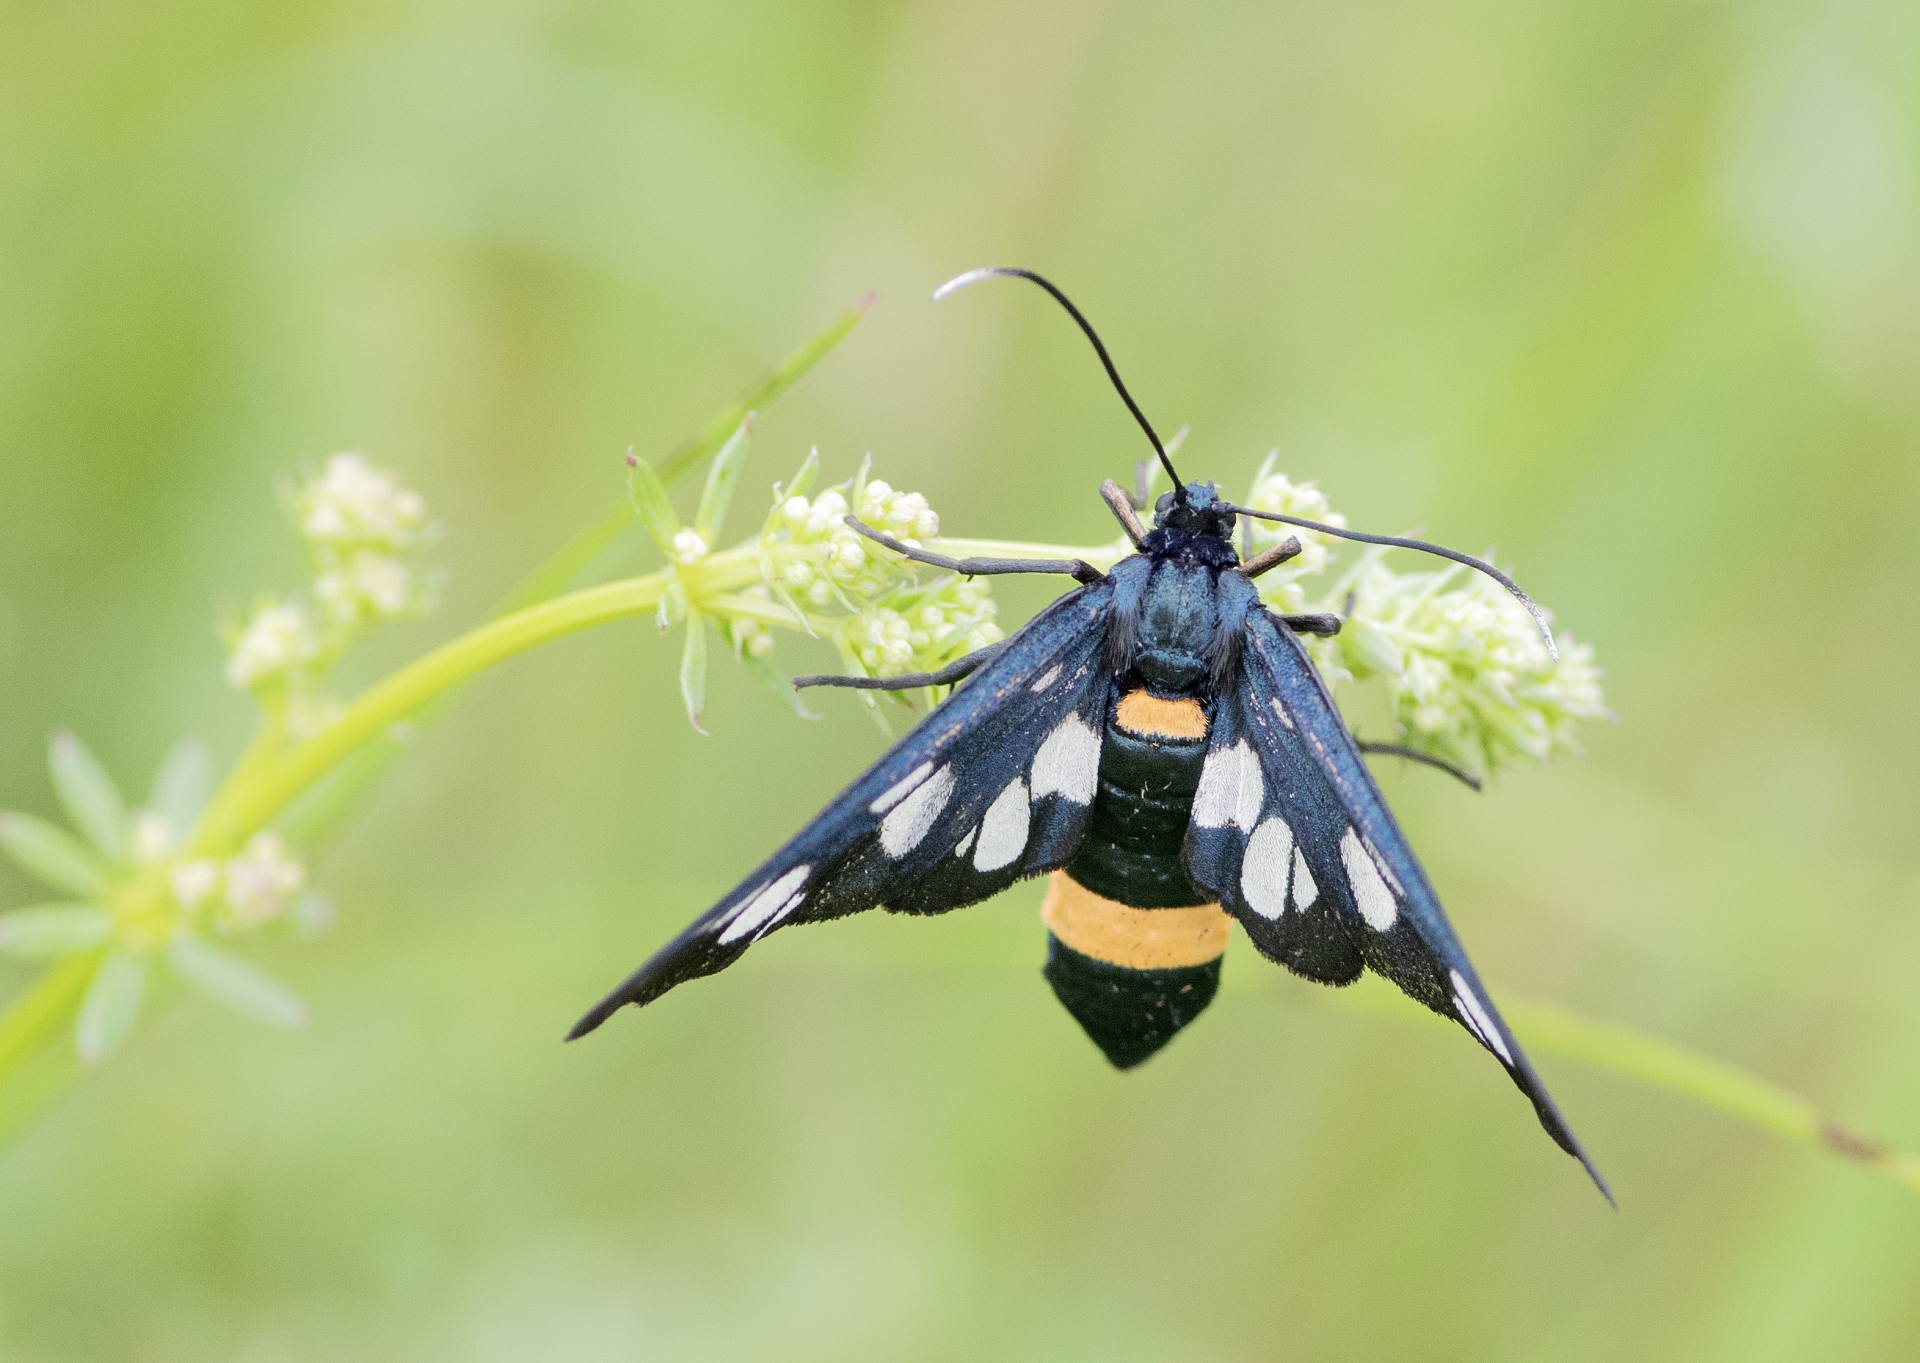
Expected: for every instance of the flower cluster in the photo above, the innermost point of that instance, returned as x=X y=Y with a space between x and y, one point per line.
x=888 y=621
x=363 y=531
x=822 y=558
x=241 y=892
x=1468 y=677
x=133 y=894
x=1281 y=587
x=921 y=631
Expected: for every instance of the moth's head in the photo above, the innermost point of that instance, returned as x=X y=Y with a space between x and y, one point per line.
x=1203 y=511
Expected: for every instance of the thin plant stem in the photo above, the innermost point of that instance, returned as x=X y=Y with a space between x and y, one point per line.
x=1680 y=1070
x=407 y=690
x=559 y=571
x=43 y=1006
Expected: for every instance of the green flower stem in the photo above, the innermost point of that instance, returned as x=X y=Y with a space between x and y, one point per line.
x=253 y=802
x=552 y=577
x=1714 y=1083
x=44 y=1007
x=1661 y=1065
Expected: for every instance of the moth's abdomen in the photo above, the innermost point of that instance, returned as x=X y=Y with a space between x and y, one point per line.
x=1134 y=951
x=1151 y=756
x=1131 y=977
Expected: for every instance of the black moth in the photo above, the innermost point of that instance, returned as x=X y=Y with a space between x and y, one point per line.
x=1160 y=745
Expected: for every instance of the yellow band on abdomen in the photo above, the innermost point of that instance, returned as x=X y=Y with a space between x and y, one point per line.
x=1136 y=939
x=1152 y=716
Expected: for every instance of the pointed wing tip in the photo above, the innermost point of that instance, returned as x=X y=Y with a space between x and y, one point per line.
x=1592 y=1173
x=1600 y=1183
x=1556 y=1127
x=591 y=1021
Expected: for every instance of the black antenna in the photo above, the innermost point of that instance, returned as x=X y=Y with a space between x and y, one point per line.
x=1539 y=616
x=975 y=276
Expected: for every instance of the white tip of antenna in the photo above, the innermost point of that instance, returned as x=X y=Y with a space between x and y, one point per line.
x=960 y=281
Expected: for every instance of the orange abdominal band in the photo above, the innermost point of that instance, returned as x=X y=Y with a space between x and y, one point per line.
x=1153 y=717
x=1134 y=939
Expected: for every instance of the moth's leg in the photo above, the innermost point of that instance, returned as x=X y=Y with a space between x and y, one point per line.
x=946 y=676
x=1140 y=484
x=1460 y=774
x=1116 y=499
x=1325 y=625
x=982 y=567
x=1271 y=558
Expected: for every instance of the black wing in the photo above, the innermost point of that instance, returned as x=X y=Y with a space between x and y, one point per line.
x=994 y=785
x=1292 y=834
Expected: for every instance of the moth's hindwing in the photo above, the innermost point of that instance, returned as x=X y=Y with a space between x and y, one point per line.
x=1292 y=834
x=994 y=785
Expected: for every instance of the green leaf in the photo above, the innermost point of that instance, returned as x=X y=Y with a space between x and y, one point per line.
x=1372 y=649
x=236 y=982
x=50 y=854
x=182 y=787
x=769 y=386
x=47 y=930
x=693 y=668
x=111 y=1005
x=650 y=502
x=769 y=677
x=573 y=558
x=803 y=480
x=722 y=479
x=88 y=795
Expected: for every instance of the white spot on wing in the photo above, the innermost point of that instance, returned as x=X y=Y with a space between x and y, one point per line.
x=1263 y=871
x=900 y=789
x=1003 y=833
x=1047 y=678
x=1478 y=1020
x=1231 y=789
x=960 y=849
x=1304 y=890
x=1068 y=763
x=1281 y=710
x=768 y=902
x=792 y=903
x=902 y=830
x=1370 y=892
x=1385 y=870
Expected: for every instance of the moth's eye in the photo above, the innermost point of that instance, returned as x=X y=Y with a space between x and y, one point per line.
x=1160 y=507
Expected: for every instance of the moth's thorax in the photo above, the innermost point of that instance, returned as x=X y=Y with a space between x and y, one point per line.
x=1179 y=613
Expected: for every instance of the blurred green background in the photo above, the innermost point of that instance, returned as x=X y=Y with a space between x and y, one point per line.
x=1631 y=292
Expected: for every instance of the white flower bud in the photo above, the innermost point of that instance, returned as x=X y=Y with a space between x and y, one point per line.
x=688 y=547
x=353 y=502
x=277 y=641
x=192 y=881
x=261 y=878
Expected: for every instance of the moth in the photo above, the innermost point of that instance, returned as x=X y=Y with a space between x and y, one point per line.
x=1160 y=746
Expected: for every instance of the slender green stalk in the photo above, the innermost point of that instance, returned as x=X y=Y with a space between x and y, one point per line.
x=553 y=576
x=1713 y=1083
x=411 y=687
x=46 y=1005
x=1658 y=1064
